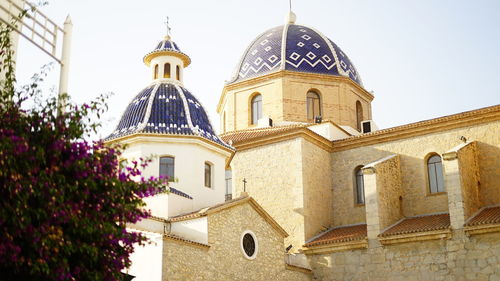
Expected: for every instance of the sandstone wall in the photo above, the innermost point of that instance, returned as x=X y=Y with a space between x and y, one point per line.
x=338 y=99
x=224 y=259
x=413 y=152
x=290 y=180
x=382 y=181
x=237 y=105
x=388 y=174
x=274 y=179
x=317 y=184
x=469 y=176
x=461 y=258
x=285 y=99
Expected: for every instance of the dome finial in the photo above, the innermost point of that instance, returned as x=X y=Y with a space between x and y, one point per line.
x=290 y=17
x=167 y=37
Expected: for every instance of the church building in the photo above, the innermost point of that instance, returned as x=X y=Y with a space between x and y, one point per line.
x=301 y=184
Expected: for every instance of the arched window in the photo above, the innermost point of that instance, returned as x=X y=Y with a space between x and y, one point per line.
x=313 y=105
x=208 y=174
x=359 y=114
x=167 y=167
x=435 y=174
x=359 y=185
x=256 y=108
x=178 y=72
x=166 y=70
x=155 y=75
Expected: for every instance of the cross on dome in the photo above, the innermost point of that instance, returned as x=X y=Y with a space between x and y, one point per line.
x=167 y=23
x=290 y=17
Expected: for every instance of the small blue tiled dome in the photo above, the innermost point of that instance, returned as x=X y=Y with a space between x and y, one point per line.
x=165 y=108
x=167 y=46
x=304 y=50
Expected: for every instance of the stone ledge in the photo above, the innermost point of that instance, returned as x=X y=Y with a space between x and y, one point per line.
x=186 y=242
x=298 y=268
x=413 y=237
x=336 y=247
x=480 y=229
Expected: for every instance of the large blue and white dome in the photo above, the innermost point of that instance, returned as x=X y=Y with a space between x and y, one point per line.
x=166 y=109
x=295 y=48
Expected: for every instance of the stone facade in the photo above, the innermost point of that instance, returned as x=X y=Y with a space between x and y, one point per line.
x=413 y=152
x=396 y=187
x=290 y=179
x=284 y=99
x=317 y=188
x=461 y=258
x=222 y=258
x=383 y=194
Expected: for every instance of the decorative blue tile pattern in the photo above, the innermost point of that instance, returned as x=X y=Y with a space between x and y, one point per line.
x=263 y=56
x=345 y=64
x=163 y=109
x=167 y=114
x=305 y=50
x=200 y=118
x=167 y=45
x=134 y=114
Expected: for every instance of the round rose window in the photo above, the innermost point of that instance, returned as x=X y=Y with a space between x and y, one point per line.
x=249 y=244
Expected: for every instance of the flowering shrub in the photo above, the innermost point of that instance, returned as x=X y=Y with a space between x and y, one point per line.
x=64 y=202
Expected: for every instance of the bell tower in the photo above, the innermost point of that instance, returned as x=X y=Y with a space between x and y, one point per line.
x=167 y=61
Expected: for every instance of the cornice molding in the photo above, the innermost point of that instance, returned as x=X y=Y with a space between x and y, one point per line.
x=482 y=229
x=186 y=242
x=298 y=268
x=303 y=132
x=412 y=237
x=336 y=247
x=440 y=124
x=145 y=137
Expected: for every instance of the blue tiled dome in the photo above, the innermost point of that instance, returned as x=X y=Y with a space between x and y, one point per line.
x=305 y=50
x=167 y=46
x=166 y=109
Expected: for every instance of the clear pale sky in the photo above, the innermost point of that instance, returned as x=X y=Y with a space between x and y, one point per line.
x=422 y=59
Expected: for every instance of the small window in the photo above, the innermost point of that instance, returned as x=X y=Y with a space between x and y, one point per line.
x=123 y=166
x=313 y=105
x=249 y=244
x=229 y=185
x=359 y=185
x=359 y=115
x=256 y=108
x=435 y=173
x=166 y=70
x=155 y=75
x=178 y=72
x=208 y=174
x=167 y=167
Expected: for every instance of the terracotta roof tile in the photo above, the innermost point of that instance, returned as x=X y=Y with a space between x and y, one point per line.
x=178 y=238
x=339 y=235
x=203 y=211
x=243 y=135
x=419 y=224
x=488 y=215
